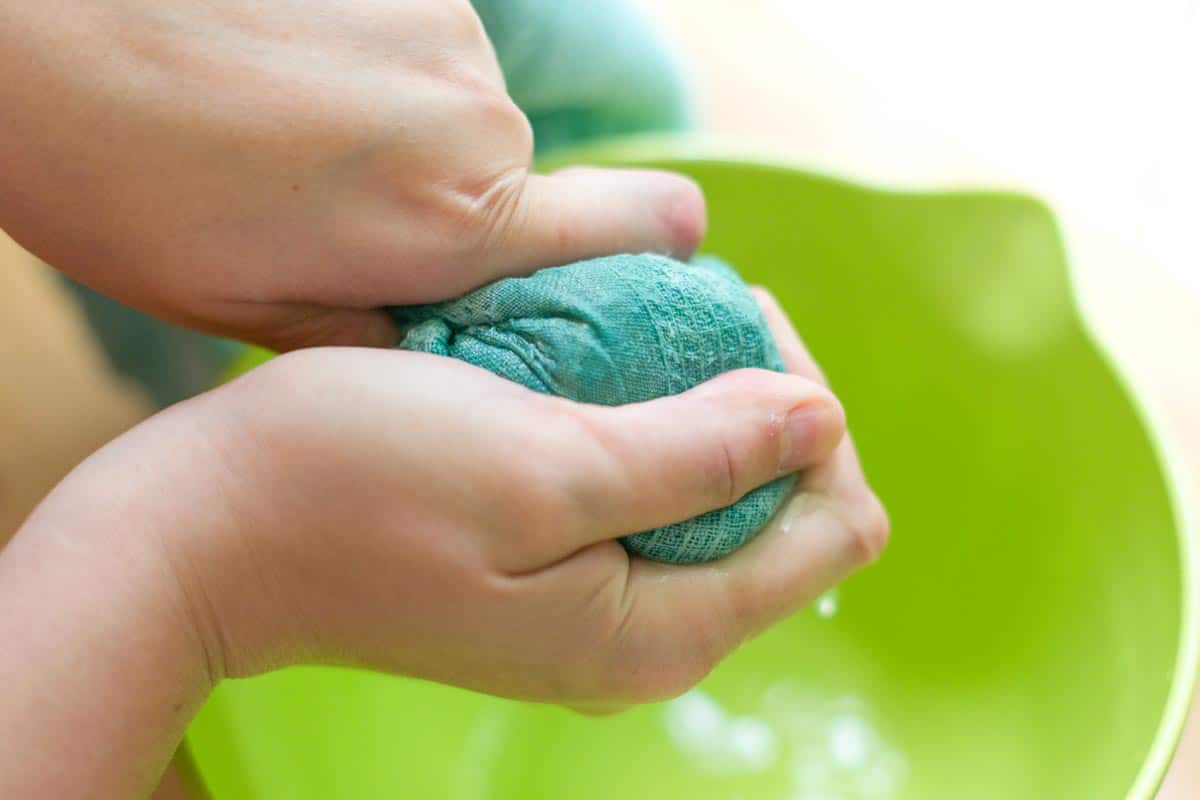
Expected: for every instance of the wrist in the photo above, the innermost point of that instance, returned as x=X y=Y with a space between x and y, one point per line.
x=220 y=512
x=101 y=658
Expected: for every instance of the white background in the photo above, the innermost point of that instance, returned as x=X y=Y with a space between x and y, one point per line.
x=1094 y=106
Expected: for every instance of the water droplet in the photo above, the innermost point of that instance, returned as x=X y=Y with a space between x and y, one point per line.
x=754 y=743
x=694 y=721
x=717 y=743
x=827 y=604
x=850 y=741
x=774 y=424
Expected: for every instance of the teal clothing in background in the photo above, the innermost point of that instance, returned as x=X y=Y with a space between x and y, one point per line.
x=610 y=331
x=169 y=363
x=585 y=69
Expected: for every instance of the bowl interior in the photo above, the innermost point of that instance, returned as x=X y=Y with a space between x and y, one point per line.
x=1020 y=638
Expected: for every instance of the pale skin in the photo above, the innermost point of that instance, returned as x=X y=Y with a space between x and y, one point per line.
x=345 y=504
x=278 y=170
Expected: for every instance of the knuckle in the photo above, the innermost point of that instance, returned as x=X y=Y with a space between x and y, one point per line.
x=726 y=466
x=652 y=680
x=464 y=21
x=535 y=526
x=564 y=494
x=869 y=529
x=746 y=452
x=663 y=667
x=488 y=107
x=511 y=121
x=495 y=212
x=503 y=116
x=456 y=24
x=718 y=472
x=684 y=217
x=728 y=474
x=485 y=198
x=598 y=472
x=542 y=519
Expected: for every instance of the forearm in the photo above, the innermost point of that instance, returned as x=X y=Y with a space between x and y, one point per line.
x=100 y=664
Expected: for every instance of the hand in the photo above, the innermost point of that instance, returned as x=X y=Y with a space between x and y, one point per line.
x=412 y=514
x=278 y=173
x=418 y=515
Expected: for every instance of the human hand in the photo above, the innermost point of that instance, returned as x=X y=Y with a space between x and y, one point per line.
x=278 y=173
x=413 y=514
x=420 y=516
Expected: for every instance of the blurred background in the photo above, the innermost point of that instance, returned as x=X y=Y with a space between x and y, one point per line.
x=1089 y=105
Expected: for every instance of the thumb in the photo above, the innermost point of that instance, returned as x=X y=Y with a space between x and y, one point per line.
x=584 y=212
x=674 y=458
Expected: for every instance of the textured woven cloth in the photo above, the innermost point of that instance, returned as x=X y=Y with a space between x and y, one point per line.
x=615 y=330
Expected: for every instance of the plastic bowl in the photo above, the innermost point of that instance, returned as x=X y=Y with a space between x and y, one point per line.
x=1030 y=633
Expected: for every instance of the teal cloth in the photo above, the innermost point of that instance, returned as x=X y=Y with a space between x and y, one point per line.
x=615 y=330
x=585 y=69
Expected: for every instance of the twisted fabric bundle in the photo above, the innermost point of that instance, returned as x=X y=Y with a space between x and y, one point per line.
x=615 y=330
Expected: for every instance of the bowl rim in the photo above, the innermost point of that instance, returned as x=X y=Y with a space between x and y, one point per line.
x=699 y=148
x=1183 y=501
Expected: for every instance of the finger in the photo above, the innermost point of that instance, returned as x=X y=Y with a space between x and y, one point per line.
x=599 y=708
x=816 y=540
x=830 y=527
x=582 y=213
x=684 y=619
x=842 y=472
x=841 y=476
x=651 y=464
x=796 y=357
x=293 y=327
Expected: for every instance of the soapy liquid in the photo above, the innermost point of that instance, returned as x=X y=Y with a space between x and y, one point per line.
x=788 y=732
x=827 y=604
x=830 y=749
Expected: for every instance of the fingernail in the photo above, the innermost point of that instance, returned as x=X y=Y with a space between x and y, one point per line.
x=802 y=433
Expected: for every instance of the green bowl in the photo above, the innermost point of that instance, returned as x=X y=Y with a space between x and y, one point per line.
x=1030 y=633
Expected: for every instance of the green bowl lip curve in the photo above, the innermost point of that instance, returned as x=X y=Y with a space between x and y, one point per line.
x=664 y=149
x=1184 y=509
x=684 y=149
